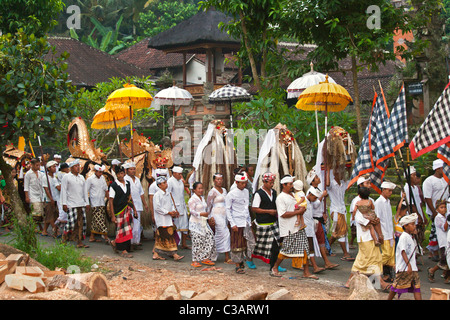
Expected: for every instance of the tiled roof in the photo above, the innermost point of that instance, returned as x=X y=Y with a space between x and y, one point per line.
x=149 y=58
x=88 y=66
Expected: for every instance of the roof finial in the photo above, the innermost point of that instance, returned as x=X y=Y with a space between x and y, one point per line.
x=312 y=66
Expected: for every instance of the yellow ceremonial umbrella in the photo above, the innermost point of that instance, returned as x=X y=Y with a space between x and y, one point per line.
x=129 y=98
x=108 y=119
x=325 y=96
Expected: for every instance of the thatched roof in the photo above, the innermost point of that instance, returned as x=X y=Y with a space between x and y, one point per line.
x=193 y=34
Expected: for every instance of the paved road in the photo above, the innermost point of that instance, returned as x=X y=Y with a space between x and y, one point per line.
x=336 y=277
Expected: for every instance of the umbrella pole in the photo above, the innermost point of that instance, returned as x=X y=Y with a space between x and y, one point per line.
x=317 y=129
x=325 y=160
x=173 y=117
x=118 y=141
x=231 y=117
x=131 y=131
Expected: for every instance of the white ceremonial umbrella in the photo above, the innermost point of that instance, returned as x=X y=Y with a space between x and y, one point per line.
x=172 y=96
x=307 y=80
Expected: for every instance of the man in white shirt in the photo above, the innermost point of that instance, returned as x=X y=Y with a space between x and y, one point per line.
x=417 y=201
x=52 y=200
x=137 y=194
x=434 y=188
x=35 y=187
x=57 y=159
x=362 y=182
x=75 y=201
x=153 y=188
x=383 y=210
x=338 y=211
x=97 y=190
x=368 y=260
x=293 y=236
x=63 y=170
x=237 y=207
x=176 y=189
x=164 y=212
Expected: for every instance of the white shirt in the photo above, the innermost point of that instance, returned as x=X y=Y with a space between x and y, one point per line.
x=434 y=189
x=383 y=211
x=309 y=220
x=153 y=189
x=336 y=192
x=162 y=204
x=96 y=188
x=73 y=191
x=361 y=234
x=176 y=188
x=416 y=197
x=405 y=243
x=54 y=182
x=237 y=202
x=286 y=203
x=441 y=233
x=136 y=192
x=34 y=184
x=197 y=205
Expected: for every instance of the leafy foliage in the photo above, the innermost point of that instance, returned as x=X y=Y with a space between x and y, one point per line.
x=163 y=15
x=35 y=95
x=33 y=16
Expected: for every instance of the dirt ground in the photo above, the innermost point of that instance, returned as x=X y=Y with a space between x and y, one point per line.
x=131 y=280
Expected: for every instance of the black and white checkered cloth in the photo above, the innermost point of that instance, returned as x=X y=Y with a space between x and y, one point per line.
x=265 y=234
x=392 y=133
x=365 y=162
x=229 y=93
x=435 y=130
x=443 y=153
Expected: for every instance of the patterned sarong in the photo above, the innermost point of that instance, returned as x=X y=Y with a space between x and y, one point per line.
x=339 y=228
x=242 y=244
x=203 y=246
x=265 y=234
x=165 y=240
x=295 y=245
x=405 y=282
x=124 y=225
x=76 y=223
x=98 y=224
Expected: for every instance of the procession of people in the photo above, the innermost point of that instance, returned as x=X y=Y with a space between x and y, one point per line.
x=261 y=224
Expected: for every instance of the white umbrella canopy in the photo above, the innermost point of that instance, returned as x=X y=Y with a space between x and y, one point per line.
x=172 y=96
x=308 y=79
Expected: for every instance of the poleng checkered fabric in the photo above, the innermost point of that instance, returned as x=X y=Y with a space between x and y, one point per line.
x=229 y=93
x=435 y=130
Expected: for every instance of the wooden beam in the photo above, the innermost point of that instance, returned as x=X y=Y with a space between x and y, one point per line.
x=184 y=69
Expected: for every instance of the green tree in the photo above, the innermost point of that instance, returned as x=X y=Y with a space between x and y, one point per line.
x=33 y=16
x=342 y=29
x=34 y=95
x=256 y=24
x=163 y=15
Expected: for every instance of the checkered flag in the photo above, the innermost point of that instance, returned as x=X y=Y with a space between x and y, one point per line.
x=392 y=133
x=364 y=162
x=443 y=153
x=435 y=130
